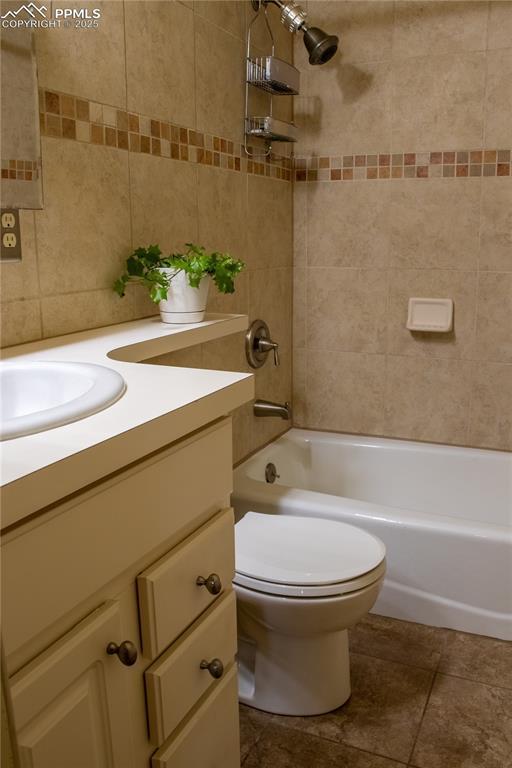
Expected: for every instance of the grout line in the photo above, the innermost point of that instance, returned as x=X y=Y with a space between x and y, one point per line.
x=339 y=743
x=434 y=675
x=130 y=190
x=441 y=673
x=403 y=663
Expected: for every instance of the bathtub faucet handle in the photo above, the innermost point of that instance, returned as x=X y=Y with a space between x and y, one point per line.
x=266 y=345
x=258 y=344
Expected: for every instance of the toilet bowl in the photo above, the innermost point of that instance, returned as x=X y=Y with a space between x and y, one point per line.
x=300 y=583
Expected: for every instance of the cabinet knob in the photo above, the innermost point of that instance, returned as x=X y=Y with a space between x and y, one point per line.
x=215 y=667
x=212 y=583
x=126 y=652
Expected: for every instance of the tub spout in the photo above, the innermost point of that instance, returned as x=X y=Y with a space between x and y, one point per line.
x=266 y=408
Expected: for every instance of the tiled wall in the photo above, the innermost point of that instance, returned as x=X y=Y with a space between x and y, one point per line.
x=414 y=124
x=156 y=82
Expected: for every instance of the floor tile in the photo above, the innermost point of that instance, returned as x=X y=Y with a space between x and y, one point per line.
x=383 y=714
x=394 y=640
x=285 y=748
x=479 y=658
x=466 y=725
x=252 y=724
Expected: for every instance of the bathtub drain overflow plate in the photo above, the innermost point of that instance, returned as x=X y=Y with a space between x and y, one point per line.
x=271 y=473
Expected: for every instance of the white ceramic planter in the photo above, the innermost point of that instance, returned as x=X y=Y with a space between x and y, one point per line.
x=184 y=304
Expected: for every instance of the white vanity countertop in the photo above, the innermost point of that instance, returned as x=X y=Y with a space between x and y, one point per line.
x=161 y=404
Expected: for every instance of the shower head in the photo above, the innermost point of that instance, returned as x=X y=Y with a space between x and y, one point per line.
x=320 y=46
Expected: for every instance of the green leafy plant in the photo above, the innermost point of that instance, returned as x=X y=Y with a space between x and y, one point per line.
x=144 y=265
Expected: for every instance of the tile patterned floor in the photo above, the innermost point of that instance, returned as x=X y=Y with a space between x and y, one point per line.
x=422 y=697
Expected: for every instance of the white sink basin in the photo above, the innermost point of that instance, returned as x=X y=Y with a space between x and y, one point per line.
x=38 y=396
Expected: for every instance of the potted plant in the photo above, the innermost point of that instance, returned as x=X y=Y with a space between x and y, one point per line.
x=179 y=283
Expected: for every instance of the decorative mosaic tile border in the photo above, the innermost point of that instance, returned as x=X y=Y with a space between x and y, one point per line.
x=69 y=117
x=20 y=170
x=407 y=165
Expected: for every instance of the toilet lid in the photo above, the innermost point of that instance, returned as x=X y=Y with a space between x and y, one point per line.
x=306 y=551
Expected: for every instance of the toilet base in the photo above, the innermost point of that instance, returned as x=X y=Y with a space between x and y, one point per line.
x=294 y=676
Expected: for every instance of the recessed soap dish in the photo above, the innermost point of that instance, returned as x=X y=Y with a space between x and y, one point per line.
x=434 y=315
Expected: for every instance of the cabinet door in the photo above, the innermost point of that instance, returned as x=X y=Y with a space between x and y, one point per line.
x=71 y=703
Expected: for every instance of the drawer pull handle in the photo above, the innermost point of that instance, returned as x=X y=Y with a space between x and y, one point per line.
x=212 y=583
x=126 y=652
x=215 y=667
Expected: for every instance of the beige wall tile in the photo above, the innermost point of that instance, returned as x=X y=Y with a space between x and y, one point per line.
x=83 y=231
x=427 y=399
x=219 y=85
x=365 y=28
x=491 y=407
x=243 y=443
x=271 y=300
x=496 y=225
x=345 y=391
x=449 y=284
x=227 y=14
x=92 y=309
x=437 y=102
x=433 y=28
x=494 y=320
x=269 y=222
x=273 y=384
x=259 y=35
x=192 y=357
x=300 y=307
x=222 y=210
x=163 y=202
x=227 y=354
x=347 y=107
x=433 y=225
x=85 y=62
x=347 y=309
x=160 y=60
x=20 y=322
x=231 y=303
x=300 y=223
x=20 y=279
x=299 y=387
x=348 y=224
x=498 y=103
x=500 y=24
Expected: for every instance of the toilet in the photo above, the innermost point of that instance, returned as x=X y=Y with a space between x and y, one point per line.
x=300 y=583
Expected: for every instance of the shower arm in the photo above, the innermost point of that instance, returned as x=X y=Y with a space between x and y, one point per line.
x=293 y=17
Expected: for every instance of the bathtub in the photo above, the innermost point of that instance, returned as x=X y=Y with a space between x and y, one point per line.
x=444 y=514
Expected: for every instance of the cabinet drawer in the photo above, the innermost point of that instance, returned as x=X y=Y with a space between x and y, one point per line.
x=178 y=670
x=209 y=738
x=169 y=596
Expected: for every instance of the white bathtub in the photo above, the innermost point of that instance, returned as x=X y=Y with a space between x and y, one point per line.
x=444 y=514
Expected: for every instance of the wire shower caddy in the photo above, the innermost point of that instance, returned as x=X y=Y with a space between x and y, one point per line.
x=276 y=78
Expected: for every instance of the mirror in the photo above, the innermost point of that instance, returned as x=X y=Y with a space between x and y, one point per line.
x=20 y=135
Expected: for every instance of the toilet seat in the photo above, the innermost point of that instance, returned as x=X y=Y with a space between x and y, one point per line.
x=304 y=556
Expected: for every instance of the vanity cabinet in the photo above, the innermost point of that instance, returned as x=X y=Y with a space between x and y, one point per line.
x=145 y=556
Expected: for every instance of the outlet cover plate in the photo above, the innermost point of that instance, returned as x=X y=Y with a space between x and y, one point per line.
x=10 y=229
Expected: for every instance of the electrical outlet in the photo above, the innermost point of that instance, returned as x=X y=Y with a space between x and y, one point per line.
x=10 y=240
x=8 y=220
